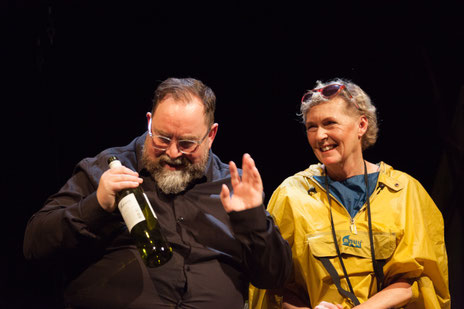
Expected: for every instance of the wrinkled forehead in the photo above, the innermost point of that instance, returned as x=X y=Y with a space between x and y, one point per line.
x=331 y=103
x=180 y=114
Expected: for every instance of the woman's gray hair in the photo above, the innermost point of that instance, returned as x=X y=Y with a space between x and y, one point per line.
x=359 y=97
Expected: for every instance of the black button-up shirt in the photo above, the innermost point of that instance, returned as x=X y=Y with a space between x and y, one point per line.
x=215 y=254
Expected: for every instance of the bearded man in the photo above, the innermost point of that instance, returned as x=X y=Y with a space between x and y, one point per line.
x=217 y=249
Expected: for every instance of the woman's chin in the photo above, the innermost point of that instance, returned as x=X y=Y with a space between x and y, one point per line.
x=329 y=160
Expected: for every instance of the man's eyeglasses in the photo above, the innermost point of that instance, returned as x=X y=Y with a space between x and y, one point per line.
x=328 y=92
x=185 y=146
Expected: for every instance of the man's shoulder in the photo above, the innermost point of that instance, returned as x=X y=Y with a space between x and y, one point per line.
x=128 y=155
x=219 y=169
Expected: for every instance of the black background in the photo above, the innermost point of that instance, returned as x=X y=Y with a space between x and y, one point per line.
x=79 y=77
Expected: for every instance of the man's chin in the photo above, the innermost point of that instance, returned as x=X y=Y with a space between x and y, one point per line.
x=172 y=182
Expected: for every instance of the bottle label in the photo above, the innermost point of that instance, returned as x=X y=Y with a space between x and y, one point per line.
x=130 y=211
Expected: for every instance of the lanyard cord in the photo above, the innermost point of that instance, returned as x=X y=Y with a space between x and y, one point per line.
x=378 y=272
x=335 y=236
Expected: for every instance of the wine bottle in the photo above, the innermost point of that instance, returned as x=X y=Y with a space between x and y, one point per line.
x=142 y=223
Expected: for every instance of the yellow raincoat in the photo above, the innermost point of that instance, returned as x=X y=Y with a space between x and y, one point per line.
x=407 y=230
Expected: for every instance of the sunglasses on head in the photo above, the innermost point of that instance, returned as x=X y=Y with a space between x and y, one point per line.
x=328 y=92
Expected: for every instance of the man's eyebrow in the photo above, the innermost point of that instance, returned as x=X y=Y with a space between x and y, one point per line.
x=185 y=137
x=160 y=132
x=189 y=137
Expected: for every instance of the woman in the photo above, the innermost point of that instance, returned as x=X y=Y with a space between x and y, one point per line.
x=385 y=251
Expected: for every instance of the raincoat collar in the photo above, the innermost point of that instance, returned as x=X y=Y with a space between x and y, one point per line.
x=384 y=175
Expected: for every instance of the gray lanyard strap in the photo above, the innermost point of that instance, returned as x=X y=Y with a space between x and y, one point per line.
x=377 y=268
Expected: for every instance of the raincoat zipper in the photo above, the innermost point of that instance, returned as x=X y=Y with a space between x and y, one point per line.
x=353 y=228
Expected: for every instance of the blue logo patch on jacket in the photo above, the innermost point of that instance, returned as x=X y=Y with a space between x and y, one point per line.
x=351 y=242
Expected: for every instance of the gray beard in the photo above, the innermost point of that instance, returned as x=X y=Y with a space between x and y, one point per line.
x=173 y=182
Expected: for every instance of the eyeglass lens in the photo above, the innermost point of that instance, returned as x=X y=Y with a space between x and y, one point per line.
x=184 y=145
x=187 y=145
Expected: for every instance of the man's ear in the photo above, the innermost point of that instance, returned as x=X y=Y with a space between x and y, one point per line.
x=212 y=134
x=149 y=121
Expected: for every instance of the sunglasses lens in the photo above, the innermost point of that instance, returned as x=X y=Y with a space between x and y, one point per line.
x=327 y=92
x=331 y=90
x=307 y=96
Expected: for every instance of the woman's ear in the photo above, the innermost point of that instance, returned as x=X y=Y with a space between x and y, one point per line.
x=363 y=125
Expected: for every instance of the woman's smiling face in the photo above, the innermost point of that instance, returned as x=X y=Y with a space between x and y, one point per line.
x=334 y=134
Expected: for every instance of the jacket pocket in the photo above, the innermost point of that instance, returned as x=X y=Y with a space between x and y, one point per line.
x=321 y=244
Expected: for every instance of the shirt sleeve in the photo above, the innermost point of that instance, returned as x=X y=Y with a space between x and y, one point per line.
x=70 y=218
x=267 y=256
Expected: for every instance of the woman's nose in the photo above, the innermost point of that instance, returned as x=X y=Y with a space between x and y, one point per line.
x=321 y=134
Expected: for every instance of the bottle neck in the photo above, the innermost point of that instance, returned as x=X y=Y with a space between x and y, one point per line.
x=114 y=164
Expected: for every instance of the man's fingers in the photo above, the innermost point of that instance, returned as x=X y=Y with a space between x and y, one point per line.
x=258 y=182
x=113 y=181
x=122 y=177
x=234 y=176
x=225 y=197
x=247 y=166
x=120 y=185
x=251 y=173
x=122 y=170
x=127 y=178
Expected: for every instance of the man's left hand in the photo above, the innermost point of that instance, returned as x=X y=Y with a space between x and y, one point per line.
x=247 y=191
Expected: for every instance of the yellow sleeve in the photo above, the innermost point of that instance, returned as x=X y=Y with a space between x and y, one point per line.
x=421 y=254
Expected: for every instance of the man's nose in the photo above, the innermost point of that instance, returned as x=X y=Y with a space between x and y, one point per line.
x=173 y=150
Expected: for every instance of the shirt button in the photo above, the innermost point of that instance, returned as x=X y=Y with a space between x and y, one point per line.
x=180 y=219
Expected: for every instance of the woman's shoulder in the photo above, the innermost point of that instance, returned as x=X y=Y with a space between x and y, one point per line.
x=397 y=179
x=300 y=179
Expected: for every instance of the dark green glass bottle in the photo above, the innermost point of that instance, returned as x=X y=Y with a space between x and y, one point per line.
x=142 y=223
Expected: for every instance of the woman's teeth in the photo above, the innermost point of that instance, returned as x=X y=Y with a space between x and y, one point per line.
x=328 y=147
